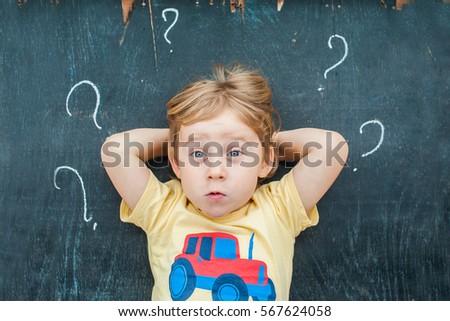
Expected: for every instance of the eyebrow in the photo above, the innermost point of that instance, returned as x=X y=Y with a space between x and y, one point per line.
x=231 y=136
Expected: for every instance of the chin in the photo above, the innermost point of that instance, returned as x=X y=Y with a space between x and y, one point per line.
x=216 y=214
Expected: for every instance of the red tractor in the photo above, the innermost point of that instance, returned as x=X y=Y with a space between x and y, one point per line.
x=212 y=261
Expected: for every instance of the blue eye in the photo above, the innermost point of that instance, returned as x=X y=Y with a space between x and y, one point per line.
x=234 y=153
x=198 y=154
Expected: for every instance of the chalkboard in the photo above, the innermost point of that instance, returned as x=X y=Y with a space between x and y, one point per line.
x=72 y=74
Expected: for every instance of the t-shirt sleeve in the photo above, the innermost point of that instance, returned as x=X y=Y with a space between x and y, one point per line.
x=149 y=206
x=289 y=206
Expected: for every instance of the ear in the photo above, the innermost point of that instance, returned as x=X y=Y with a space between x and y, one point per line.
x=266 y=168
x=173 y=162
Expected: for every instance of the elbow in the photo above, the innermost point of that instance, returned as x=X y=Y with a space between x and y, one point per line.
x=111 y=151
x=339 y=148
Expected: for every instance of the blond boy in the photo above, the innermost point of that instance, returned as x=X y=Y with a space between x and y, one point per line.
x=215 y=232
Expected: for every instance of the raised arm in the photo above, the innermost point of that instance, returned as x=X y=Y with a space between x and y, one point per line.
x=321 y=155
x=124 y=156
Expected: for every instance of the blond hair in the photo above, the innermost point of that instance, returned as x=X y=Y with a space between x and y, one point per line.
x=243 y=91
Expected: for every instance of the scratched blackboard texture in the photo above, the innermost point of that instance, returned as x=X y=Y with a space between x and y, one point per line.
x=385 y=225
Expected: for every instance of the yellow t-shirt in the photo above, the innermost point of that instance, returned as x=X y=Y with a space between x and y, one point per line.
x=245 y=254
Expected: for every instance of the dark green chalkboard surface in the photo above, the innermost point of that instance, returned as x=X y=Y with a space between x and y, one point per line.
x=72 y=74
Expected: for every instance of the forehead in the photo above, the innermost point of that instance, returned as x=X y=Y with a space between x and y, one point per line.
x=225 y=126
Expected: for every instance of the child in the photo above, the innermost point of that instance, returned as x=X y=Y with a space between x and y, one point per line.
x=214 y=232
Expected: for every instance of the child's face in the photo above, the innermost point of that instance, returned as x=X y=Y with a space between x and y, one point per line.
x=219 y=162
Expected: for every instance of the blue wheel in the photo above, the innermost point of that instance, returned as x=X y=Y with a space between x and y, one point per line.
x=229 y=287
x=182 y=280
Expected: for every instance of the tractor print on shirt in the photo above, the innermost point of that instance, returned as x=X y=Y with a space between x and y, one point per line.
x=212 y=261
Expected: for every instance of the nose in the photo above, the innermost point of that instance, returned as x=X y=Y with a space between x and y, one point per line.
x=216 y=168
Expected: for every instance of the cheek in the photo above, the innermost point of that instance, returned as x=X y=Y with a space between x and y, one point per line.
x=190 y=171
x=246 y=187
x=244 y=178
x=189 y=182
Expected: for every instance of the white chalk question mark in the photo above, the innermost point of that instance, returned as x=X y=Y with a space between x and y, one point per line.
x=86 y=219
x=340 y=61
x=173 y=23
x=377 y=122
x=97 y=103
